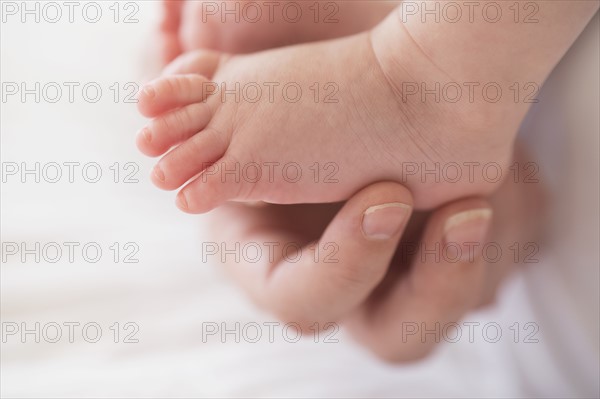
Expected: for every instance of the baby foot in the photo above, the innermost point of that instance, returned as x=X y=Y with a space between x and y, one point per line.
x=243 y=27
x=315 y=123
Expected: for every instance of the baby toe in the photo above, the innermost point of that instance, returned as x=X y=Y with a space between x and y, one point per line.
x=219 y=183
x=203 y=62
x=189 y=159
x=170 y=92
x=173 y=128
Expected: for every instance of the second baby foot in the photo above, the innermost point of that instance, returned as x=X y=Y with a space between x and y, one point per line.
x=239 y=26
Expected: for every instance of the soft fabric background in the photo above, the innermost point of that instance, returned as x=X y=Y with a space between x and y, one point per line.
x=171 y=292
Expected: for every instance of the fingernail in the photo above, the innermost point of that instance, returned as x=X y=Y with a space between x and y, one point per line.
x=381 y=222
x=158 y=174
x=181 y=201
x=465 y=232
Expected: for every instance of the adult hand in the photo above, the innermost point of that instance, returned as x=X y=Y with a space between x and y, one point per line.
x=371 y=266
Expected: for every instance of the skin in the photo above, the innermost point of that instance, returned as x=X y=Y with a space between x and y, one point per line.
x=458 y=57
x=193 y=25
x=373 y=120
x=374 y=287
x=368 y=120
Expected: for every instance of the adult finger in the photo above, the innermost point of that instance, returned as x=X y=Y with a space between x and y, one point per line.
x=324 y=280
x=446 y=279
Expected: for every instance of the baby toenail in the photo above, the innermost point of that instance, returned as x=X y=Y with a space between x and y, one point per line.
x=181 y=201
x=158 y=173
x=149 y=91
x=145 y=132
